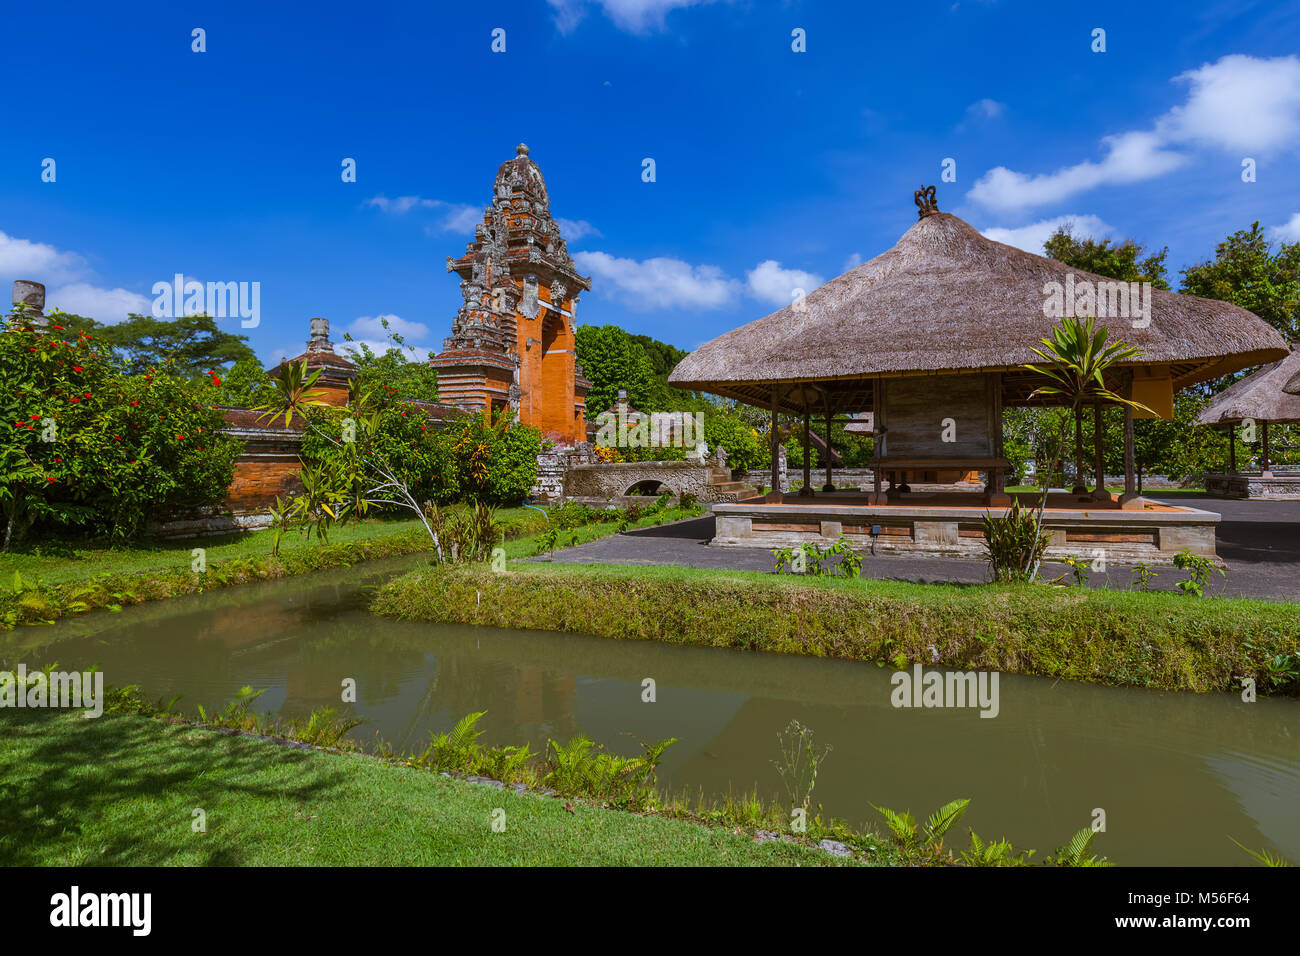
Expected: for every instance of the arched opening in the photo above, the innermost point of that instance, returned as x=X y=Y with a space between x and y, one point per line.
x=649 y=488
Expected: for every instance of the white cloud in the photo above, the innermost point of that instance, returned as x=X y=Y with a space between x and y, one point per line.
x=1237 y=103
x=68 y=280
x=455 y=217
x=1032 y=237
x=109 y=306
x=1130 y=158
x=852 y=262
x=985 y=109
x=400 y=204
x=368 y=325
x=38 y=261
x=462 y=219
x=1289 y=231
x=659 y=283
x=634 y=16
x=574 y=229
x=769 y=282
x=369 y=330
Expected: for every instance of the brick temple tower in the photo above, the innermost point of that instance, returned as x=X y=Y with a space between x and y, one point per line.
x=512 y=342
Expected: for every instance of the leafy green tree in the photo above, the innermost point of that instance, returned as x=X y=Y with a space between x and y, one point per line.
x=85 y=444
x=745 y=447
x=1123 y=261
x=193 y=342
x=611 y=360
x=245 y=385
x=1247 y=272
x=394 y=376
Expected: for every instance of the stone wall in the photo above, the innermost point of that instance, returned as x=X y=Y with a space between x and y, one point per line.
x=603 y=482
x=1254 y=486
x=554 y=463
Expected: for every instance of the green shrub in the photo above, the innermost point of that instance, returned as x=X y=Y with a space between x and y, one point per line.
x=1014 y=543
x=83 y=443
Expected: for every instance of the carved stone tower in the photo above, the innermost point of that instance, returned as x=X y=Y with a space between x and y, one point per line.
x=512 y=342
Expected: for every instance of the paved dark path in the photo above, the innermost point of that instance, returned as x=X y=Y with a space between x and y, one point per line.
x=1258 y=540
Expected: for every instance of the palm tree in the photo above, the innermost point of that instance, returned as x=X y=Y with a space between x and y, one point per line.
x=1079 y=358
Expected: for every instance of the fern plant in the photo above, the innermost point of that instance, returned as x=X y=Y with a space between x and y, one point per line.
x=1075 y=852
x=994 y=853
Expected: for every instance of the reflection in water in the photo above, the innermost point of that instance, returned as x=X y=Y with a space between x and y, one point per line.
x=1176 y=773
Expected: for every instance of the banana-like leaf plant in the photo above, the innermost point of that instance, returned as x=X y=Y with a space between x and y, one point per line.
x=1077 y=360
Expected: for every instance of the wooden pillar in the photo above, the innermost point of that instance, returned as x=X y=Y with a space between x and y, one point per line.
x=807 y=452
x=1079 y=487
x=1267 y=472
x=1098 y=451
x=829 y=486
x=1131 y=499
x=1232 y=449
x=877 y=439
x=775 y=494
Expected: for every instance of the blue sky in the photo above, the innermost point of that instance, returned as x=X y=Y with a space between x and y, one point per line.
x=775 y=169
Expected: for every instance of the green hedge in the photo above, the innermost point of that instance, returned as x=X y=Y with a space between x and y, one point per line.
x=1155 y=640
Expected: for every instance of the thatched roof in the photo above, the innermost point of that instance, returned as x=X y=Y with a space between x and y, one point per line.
x=1270 y=395
x=946 y=299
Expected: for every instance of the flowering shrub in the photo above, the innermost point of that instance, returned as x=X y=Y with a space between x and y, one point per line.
x=493 y=462
x=82 y=443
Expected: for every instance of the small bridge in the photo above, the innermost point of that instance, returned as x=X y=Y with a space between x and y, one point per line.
x=618 y=481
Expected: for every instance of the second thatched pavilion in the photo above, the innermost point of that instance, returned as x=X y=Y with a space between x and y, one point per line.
x=932 y=337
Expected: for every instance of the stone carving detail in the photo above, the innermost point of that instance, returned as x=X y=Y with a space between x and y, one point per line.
x=529 y=306
x=558 y=292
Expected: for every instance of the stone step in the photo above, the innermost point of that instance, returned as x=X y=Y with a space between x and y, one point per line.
x=728 y=485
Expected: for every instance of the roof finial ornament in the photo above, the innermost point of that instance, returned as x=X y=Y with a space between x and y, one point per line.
x=521 y=149
x=926 y=204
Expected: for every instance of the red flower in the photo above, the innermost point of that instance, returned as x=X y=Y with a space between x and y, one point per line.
x=75 y=399
x=135 y=403
x=59 y=327
x=36 y=416
x=49 y=477
x=86 y=394
x=118 y=437
x=76 y=368
x=57 y=460
x=180 y=437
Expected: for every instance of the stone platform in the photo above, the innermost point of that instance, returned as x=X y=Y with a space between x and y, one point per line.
x=950 y=523
x=1254 y=485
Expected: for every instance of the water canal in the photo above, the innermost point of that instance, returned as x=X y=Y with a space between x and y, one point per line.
x=1176 y=774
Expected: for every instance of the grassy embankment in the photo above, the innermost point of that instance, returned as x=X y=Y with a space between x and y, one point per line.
x=65 y=804
x=1144 y=639
x=59 y=580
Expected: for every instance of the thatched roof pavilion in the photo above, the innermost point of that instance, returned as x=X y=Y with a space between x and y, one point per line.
x=1270 y=395
x=947 y=299
x=943 y=324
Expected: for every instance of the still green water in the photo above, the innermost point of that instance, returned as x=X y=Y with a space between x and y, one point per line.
x=1176 y=774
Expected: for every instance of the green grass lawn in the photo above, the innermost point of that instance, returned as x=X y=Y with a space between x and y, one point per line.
x=61 y=562
x=121 y=791
x=1145 y=639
